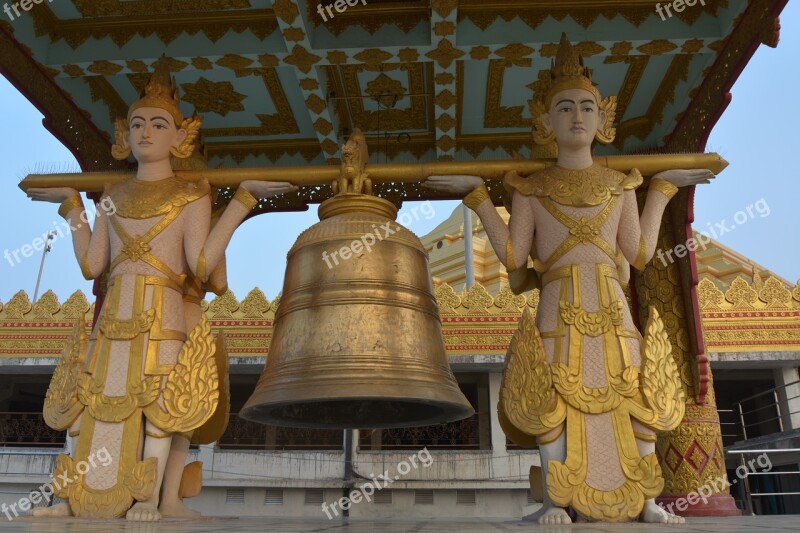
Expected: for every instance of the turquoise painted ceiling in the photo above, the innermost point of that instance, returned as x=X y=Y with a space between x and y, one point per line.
x=425 y=80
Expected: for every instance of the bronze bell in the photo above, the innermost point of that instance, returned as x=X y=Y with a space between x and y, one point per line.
x=357 y=339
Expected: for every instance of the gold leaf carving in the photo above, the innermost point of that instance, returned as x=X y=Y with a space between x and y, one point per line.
x=445 y=53
x=443 y=29
x=46 y=307
x=443 y=8
x=444 y=78
x=202 y=63
x=445 y=122
x=18 y=306
x=657 y=47
x=104 y=68
x=478 y=299
x=479 y=52
x=445 y=99
x=268 y=60
x=446 y=298
x=373 y=56
x=774 y=294
x=323 y=126
x=337 y=57
x=294 y=34
x=385 y=89
x=302 y=59
x=309 y=84
x=517 y=54
x=316 y=104
x=286 y=10
x=213 y=97
x=708 y=295
x=740 y=294
x=408 y=55
x=330 y=147
x=255 y=304
x=223 y=306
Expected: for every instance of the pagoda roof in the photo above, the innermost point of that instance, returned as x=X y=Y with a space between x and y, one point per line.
x=425 y=81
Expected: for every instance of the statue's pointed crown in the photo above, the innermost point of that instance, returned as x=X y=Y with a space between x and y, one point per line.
x=569 y=72
x=161 y=91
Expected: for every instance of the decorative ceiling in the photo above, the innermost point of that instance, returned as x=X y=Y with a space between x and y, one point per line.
x=425 y=80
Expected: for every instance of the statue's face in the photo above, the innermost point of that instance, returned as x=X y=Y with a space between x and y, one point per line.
x=575 y=118
x=152 y=132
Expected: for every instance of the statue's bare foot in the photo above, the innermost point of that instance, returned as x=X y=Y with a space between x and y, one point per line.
x=554 y=516
x=654 y=514
x=176 y=509
x=143 y=512
x=59 y=509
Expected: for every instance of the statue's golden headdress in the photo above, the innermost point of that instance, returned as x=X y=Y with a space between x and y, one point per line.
x=569 y=72
x=161 y=92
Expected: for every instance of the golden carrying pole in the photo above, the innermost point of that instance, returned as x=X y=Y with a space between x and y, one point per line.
x=392 y=172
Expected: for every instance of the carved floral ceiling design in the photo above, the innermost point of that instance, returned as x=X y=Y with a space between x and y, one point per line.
x=451 y=78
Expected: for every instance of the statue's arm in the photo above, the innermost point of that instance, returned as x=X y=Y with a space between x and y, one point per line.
x=637 y=236
x=511 y=243
x=91 y=247
x=205 y=247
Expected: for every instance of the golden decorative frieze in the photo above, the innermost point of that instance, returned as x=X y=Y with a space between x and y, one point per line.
x=750 y=317
x=294 y=35
x=104 y=68
x=46 y=307
x=373 y=57
x=107 y=8
x=166 y=25
x=286 y=10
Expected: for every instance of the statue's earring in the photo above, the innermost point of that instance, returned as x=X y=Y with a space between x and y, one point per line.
x=541 y=134
x=186 y=148
x=120 y=150
x=607 y=133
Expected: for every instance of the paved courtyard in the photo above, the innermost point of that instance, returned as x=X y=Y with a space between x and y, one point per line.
x=743 y=524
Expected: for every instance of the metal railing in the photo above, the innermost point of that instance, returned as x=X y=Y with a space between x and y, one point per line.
x=767 y=411
x=245 y=435
x=767 y=404
x=28 y=429
x=459 y=435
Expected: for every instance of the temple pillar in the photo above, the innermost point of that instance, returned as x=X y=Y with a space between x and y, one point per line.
x=691 y=456
x=788 y=398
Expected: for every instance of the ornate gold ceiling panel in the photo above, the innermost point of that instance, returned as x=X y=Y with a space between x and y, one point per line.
x=370 y=16
x=414 y=117
x=301 y=64
x=534 y=12
x=166 y=26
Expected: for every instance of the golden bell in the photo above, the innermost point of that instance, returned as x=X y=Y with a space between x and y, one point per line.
x=357 y=341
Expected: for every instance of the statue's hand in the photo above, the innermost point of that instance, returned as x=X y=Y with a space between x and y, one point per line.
x=266 y=189
x=453 y=184
x=55 y=195
x=684 y=178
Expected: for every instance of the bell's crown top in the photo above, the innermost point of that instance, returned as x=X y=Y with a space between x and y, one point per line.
x=161 y=91
x=569 y=72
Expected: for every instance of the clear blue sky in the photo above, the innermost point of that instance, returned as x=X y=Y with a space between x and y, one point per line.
x=757 y=134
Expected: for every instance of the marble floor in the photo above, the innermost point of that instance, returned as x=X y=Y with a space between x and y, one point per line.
x=742 y=524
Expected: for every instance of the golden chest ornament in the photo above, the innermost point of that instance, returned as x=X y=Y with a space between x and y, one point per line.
x=139 y=199
x=577 y=188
